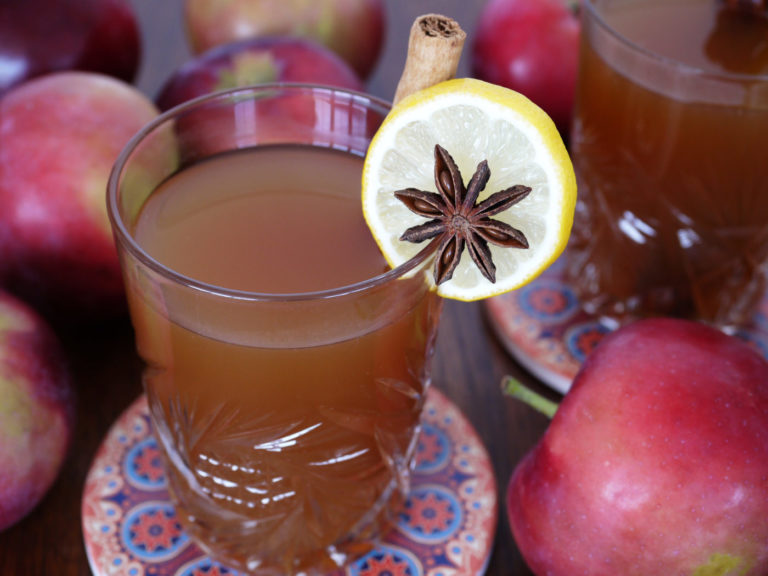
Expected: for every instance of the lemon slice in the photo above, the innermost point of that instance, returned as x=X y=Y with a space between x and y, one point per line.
x=473 y=121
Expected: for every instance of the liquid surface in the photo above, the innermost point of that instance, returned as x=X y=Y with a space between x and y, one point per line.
x=698 y=33
x=280 y=458
x=283 y=220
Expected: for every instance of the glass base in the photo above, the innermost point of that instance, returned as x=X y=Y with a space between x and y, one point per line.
x=130 y=527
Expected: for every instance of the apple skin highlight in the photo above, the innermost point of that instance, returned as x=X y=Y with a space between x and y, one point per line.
x=61 y=133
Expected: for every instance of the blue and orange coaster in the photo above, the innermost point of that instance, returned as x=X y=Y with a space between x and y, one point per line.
x=544 y=327
x=445 y=527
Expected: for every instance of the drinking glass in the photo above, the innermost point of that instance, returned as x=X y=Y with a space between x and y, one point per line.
x=288 y=421
x=672 y=217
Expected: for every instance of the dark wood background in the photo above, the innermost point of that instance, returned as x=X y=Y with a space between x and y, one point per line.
x=469 y=364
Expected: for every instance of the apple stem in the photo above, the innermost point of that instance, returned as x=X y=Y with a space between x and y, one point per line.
x=513 y=387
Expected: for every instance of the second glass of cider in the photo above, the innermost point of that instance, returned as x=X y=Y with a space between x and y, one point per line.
x=669 y=140
x=286 y=365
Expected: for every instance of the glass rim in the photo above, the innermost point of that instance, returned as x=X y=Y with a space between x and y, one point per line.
x=590 y=7
x=126 y=239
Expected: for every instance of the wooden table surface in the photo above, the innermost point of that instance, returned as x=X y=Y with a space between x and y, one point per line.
x=469 y=363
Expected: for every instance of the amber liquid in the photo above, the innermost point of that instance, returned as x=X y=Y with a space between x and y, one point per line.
x=288 y=427
x=673 y=176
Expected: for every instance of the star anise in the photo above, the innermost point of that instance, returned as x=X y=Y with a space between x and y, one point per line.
x=458 y=220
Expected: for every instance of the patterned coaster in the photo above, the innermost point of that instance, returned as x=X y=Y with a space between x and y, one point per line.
x=445 y=528
x=545 y=329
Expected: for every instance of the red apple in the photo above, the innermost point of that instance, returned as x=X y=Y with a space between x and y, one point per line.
x=36 y=409
x=530 y=46
x=257 y=61
x=60 y=135
x=354 y=29
x=41 y=36
x=655 y=463
x=241 y=121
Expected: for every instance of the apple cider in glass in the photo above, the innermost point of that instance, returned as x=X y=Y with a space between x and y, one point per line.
x=286 y=364
x=669 y=147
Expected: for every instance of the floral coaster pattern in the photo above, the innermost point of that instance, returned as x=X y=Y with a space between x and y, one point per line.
x=446 y=526
x=544 y=328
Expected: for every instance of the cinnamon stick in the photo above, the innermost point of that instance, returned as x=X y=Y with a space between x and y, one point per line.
x=434 y=50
